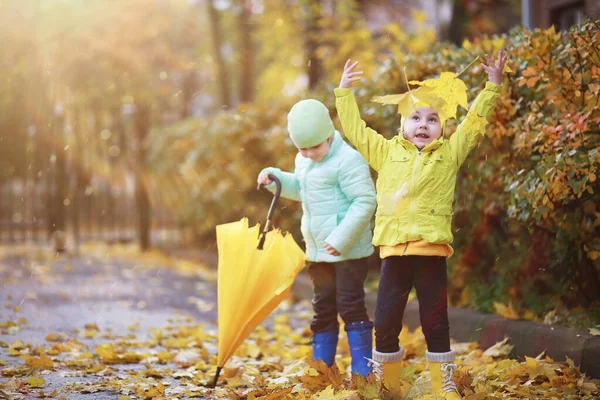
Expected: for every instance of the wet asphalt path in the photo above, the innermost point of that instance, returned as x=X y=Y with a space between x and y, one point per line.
x=61 y=295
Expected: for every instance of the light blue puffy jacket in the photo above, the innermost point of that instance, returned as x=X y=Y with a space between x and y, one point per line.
x=338 y=202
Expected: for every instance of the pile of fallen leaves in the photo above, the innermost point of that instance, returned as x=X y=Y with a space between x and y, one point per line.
x=178 y=360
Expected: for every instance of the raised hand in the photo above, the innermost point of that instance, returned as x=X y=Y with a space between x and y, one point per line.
x=349 y=75
x=494 y=69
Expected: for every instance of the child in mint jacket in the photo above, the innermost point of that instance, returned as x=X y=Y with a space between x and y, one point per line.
x=334 y=184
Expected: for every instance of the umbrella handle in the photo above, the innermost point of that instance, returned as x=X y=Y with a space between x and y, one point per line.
x=267 y=227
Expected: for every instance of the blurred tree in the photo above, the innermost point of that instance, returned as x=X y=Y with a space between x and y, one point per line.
x=471 y=19
x=107 y=68
x=221 y=70
x=280 y=62
x=312 y=14
x=142 y=198
x=246 y=49
x=18 y=69
x=459 y=22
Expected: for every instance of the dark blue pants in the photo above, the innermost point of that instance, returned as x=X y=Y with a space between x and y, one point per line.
x=398 y=275
x=338 y=289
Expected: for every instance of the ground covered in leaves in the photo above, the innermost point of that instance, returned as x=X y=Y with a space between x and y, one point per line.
x=167 y=350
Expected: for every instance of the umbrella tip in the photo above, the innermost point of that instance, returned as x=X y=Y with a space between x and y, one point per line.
x=214 y=382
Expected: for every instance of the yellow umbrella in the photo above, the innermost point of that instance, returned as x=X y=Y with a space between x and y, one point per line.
x=255 y=272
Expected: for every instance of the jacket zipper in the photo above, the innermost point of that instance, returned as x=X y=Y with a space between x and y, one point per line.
x=405 y=248
x=308 y=168
x=412 y=197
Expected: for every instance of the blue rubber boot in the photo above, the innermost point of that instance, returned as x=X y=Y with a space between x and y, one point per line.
x=360 y=341
x=324 y=345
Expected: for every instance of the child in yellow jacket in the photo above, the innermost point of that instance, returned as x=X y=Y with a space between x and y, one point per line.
x=415 y=190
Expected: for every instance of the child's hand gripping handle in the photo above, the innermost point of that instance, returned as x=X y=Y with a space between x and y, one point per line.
x=267 y=228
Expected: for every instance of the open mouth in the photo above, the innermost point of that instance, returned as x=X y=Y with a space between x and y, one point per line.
x=422 y=136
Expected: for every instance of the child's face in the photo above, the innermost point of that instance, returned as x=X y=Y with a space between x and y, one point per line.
x=422 y=127
x=316 y=153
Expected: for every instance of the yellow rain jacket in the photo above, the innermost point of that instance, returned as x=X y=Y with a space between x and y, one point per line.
x=415 y=189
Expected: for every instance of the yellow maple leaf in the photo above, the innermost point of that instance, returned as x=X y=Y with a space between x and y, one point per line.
x=17 y=346
x=91 y=327
x=236 y=382
x=329 y=394
x=130 y=357
x=405 y=101
x=507 y=311
x=36 y=382
x=253 y=350
x=500 y=349
x=412 y=341
x=230 y=372
x=475 y=123
x=7 y=324
x=55 y=337
x=369 y=387
x=164 y=357
x=42 y=362
x=89 y=334
x=531 y=362
x=106 y=352
x=529 y=315
x=451 y=89
x=318 y=376
x=428 y=96
x=134 y=326
x=534 y=368
x=176 y=343
x=594 y=332
x=156 y=335
x=325 y=394
x=154 y=392
x=278 y=394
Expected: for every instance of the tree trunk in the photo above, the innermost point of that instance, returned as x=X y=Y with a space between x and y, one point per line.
x=362 y=6
x=246 y=52
x=220 y=65
x=312 y=16
x=142 y=127
x=60 y=177
x=79 y=192
x=187 y=91
x=460 y=17
x=589 y=281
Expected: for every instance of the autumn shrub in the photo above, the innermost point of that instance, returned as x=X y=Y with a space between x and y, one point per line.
x=217 y=161
x=539 y=198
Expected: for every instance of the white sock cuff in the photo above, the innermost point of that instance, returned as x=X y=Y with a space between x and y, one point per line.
x=388 y=357
x=441 y=357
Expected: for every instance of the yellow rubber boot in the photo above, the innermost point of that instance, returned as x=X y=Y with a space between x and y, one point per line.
x=441 y=368
x=388 y=367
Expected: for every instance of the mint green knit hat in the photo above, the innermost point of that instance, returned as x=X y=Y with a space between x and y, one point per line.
x=309 y=123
